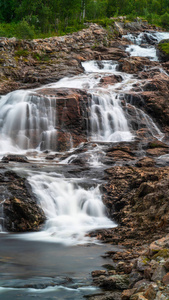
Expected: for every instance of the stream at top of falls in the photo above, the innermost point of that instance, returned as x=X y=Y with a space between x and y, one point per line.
x=55 y=263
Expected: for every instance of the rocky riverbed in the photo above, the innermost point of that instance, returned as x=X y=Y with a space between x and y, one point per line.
x=78 y=152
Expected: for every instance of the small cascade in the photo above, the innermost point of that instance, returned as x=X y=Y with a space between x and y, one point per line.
x=102 y=66
x=144 y=44
x=71 y=209
x=27 y=121
x=136 y=50
x=147 y=37
x=108 y=121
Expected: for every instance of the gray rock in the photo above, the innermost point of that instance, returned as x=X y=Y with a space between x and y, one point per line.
x=158 y=273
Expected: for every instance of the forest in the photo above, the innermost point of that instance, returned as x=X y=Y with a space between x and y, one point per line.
x=42 y=18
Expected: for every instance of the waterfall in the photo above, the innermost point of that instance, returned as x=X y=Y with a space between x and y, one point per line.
x=27 y=121
x=71 y=209
x=144 y=42
x=108 y=121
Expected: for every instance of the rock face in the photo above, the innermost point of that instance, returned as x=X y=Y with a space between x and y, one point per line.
x=16 y=158
x=71 y=106
x=152 y=96
x=21 y=210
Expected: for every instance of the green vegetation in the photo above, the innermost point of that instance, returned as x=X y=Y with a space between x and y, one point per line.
x=164 y=47
x=164 y=253
x=21 y=52
x=42 y=18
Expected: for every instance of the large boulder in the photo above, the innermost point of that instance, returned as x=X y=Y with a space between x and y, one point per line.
x=20 y=208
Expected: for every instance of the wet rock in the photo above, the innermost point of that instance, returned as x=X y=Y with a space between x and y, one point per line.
x=21 y=210
x=110 y=80
x=98 y=273
x=145 y=162
x=105 y=296
x=71 y=108
x=50 y=157
x=120 y=282
x=155 y=97
x=16 y=158
x=133 y=65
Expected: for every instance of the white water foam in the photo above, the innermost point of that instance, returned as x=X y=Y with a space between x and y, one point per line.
x=145 y=38
x=136 y=50
x=102 y=66
x=70 y=209
x=108 y=121
x=27 y=121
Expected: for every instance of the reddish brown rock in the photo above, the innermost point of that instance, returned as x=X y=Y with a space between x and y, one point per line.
x=166 y=265
x=165 y=279
x=154 y=99
x=71 y=106
x=110 y=80
x=150 y=293
x=98 y=273
x=145 y=162
x=126 y=294
x=133 y=65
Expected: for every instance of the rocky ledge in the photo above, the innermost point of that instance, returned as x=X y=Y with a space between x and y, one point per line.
x=28 y=64
x=141 y=274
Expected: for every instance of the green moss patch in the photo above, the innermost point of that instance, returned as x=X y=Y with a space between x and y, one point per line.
x=21 y=52
x=164 y=253
x=164 y=47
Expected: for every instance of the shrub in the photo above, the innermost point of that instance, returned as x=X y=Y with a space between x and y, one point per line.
x=24 y=30
x=165 y=20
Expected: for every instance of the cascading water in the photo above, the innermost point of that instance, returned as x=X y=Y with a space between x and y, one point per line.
x=108 y=122
x=71 y=210
x=27 y=121
x=144 y=44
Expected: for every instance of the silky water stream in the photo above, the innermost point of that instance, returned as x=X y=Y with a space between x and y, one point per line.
x=56 y=262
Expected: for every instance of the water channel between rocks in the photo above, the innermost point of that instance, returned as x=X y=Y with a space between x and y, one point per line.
x=56 y=262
